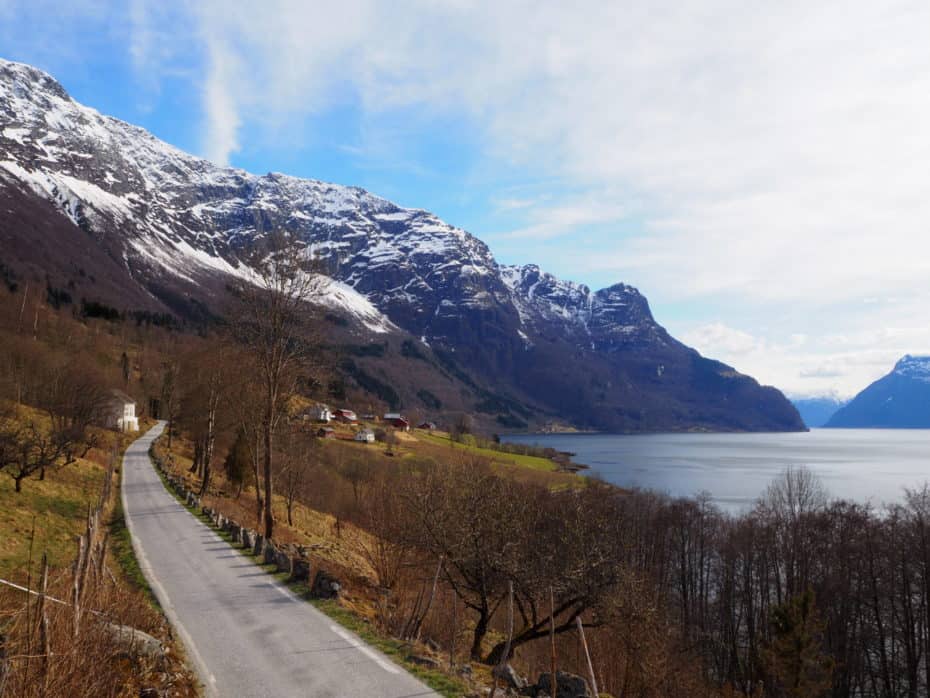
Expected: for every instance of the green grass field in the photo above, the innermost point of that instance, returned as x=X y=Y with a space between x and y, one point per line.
x=534 y=462
x=56 y=506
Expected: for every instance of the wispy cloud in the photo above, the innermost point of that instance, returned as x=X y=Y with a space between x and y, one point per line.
x=221 y=138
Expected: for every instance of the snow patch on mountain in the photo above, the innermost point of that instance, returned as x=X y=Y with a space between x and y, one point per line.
x=185 y=215
x=338 y=296
x=914 y=367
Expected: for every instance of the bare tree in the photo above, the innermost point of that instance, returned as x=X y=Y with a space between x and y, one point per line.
x=274 y=326
x=27 y=448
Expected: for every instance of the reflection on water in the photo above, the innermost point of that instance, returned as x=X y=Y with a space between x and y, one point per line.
x=866 y=465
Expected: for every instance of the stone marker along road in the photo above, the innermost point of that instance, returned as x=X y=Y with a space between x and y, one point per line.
x=247 y=635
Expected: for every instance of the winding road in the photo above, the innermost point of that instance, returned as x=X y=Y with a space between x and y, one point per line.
x=246 y=635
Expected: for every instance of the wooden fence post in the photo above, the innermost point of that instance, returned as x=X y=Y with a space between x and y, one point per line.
x=506 y=655
x=3 y=663
x=587 y=656
x=454 y=630
x=42 y=615
x=554 y=683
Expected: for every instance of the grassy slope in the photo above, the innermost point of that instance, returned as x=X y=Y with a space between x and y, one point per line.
x=534 y=462
x=438 y=446
x=57 y=507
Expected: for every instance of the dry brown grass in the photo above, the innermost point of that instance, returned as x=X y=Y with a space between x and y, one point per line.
x=46 y=518
x=95 y=663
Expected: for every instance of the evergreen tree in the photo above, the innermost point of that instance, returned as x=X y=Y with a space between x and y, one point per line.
x=238 y=461
x=795 y=659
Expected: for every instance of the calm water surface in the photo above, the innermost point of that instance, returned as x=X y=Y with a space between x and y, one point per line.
x=861 y=464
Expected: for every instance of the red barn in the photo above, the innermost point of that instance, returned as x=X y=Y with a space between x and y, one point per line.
x=397 y=421
x=345 y=416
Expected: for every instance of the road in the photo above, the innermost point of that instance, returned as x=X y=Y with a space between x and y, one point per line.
x=246 y=635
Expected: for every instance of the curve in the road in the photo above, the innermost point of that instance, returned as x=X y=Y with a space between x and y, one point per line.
x=247 y=635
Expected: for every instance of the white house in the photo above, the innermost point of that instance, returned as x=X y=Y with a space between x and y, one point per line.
x=121 y=412
x=365 y=436
x=320 y=413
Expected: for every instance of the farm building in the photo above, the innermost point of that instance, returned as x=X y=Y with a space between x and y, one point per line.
x=397 y=421
x=121 y=412
x=319 y=413
x=345 y=416
x=365 y=436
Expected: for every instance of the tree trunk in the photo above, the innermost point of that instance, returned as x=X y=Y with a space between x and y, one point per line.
x=269 y=514
x=481 y=629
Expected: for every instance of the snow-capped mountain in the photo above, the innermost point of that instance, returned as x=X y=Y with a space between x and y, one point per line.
x=179 y=226
x=899 y=400
x=817 y=411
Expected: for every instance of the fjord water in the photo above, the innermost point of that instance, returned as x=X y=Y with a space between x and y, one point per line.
x=864 y=465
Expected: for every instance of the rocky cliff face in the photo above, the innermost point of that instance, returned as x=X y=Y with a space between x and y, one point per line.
x=529 y=346
x=899 y=400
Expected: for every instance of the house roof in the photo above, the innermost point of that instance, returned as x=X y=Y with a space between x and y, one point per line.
x=393 y=415
x=118 y=395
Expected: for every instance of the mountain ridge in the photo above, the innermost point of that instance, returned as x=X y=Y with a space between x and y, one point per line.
x=180 y=226
x=898 y=400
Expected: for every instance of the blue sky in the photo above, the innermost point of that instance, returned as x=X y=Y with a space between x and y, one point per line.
x=758 y=171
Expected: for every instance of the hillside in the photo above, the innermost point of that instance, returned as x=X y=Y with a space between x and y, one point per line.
x=899 y=400
x=96 y=209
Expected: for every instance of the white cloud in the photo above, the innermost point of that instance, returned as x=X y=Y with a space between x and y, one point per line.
x=220 y=103
x=717 y=339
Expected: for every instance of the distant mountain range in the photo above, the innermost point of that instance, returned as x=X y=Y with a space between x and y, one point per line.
x=817 y=411
x=900 y=400
x=421 y=313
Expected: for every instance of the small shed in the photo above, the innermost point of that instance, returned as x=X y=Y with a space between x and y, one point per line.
x=428 y=426
x=121 y=412
x=365 y=436
x=326 y=433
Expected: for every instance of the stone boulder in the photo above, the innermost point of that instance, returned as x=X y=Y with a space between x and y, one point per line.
x=248 y=538
x=423 y=660
x=325 y=586
x=135 y=643
x=270 y=553
x=510 y=677
x=300 y=569
x=569 y=685
x=282 y=561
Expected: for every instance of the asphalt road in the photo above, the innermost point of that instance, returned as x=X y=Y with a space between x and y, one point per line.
x=246 y=635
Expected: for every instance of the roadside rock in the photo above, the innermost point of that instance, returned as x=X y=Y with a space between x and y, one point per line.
x=282 y=561
x=135 y=643
x=324 y=586
x=569 y=686
x=509 y=676
x=424 y=661
x=300 y=569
